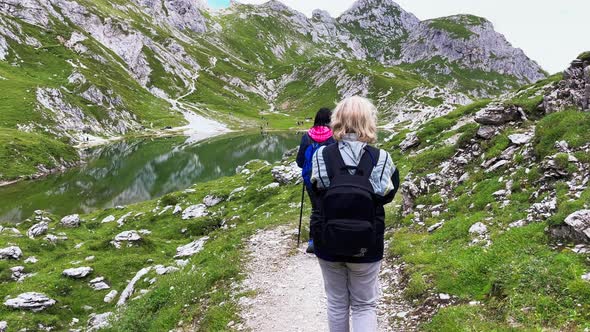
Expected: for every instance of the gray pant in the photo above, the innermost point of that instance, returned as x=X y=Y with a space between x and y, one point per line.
x=351 y=287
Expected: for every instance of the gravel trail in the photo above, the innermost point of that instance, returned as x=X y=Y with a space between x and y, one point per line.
x=288 y=294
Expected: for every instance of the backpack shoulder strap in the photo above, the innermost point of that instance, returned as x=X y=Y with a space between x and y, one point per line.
x=333 y=160
x=368 y=161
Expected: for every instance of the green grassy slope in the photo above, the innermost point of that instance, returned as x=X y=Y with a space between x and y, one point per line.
x=521 y=280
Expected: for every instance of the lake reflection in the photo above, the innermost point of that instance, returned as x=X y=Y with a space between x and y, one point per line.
x=133 y=171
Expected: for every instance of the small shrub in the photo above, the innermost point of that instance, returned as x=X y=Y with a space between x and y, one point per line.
x=169 y=199
x=584 y=56
x=416 y=287
x=562 y=160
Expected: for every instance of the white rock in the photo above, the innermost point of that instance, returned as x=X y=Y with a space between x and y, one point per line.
x=271 y=186
x=191 y=248
x=435 y=227
x=110 y=296
x=517 y=224
x=71 y=221
x=38 y=229
x=11 y=230
x=182 y=262
x=287 y=174
x=99 y=321
x=194 y=211
x=131 y=236
x=500 y=193
x=52 y=238
x=586 y=276
x=78 y=272
x=520 y=139
x=3 y=326
x=478 y=228
x=161 y=270
x=211 y=200
x=98 y=284
x=108 y=219
x=31 y=260
x=128 y=291
x=177 y=209
x=12 y=252
x=121 y=220
x=89 y=258
x=30 y=301
x=444 y=297
x=579 y=222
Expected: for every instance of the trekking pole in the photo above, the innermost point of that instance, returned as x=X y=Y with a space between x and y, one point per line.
x=301 y=213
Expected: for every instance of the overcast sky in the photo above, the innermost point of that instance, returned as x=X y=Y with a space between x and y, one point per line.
x=550 y=32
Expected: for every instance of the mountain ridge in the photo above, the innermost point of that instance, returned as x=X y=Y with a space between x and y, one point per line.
x=116 y=68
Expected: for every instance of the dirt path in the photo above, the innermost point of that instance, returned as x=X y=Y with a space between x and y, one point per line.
x=288 y=288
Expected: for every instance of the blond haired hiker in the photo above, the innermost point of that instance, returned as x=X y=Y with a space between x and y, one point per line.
x=354 y=181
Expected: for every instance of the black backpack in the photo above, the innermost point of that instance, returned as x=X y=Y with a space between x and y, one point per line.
x=348 y=206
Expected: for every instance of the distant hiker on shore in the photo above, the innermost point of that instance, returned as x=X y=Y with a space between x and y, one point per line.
x=319 y=135
x=353 y=181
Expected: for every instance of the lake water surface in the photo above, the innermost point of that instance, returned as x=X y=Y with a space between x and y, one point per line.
x=137 y=170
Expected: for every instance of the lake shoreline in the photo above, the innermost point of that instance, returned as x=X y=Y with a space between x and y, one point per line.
x=175 y=132
x=133 y=170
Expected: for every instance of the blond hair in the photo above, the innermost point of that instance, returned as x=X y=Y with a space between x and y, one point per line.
x=355 y=115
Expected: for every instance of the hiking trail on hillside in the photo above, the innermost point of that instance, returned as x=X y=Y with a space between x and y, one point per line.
x=288 y=291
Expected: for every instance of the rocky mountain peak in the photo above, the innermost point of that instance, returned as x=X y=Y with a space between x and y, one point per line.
x=276 y=5
x=383 y=17
x=369 y=4
x=322 y=16
x=181 y=14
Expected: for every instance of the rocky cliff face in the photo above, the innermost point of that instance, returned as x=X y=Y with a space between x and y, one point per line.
x=158 y=57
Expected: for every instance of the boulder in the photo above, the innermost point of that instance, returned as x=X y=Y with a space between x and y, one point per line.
x=18 y=273
x=287 y=174
x=520 y=139
x=71 y=221
x=411 y=140
x=38 y=229
x=30 y=301
x=194 y=211
x=77 y=272
x=191 y=248
x=3 y=326
x=212 y=200
x=410 y=192
x=496 y=115
x=12 y=252
x=98 y=284
x=99 y=321
x=576 y=228
x=486 y=132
